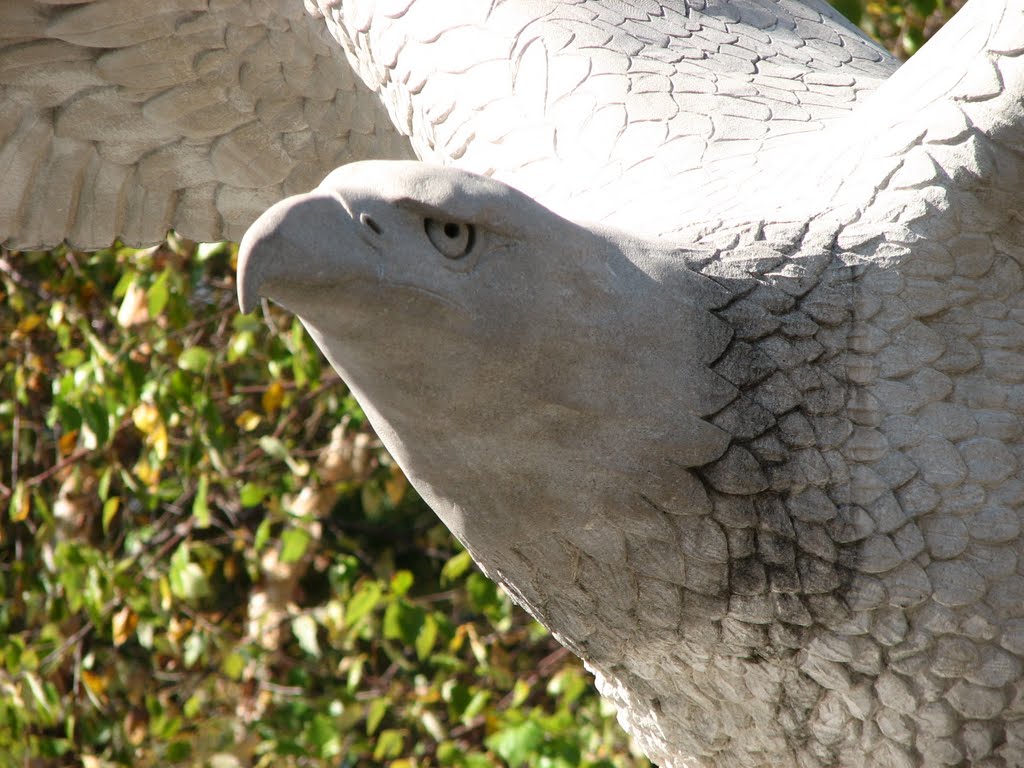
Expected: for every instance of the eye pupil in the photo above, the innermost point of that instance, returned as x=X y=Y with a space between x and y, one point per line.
x=452 y=239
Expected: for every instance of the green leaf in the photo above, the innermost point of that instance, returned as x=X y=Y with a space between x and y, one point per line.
x=401 y=583
x=252 y=494
x=294 y=543
x=97 y=419
x=325 y=736
x=234 y=665
x=912 y=40
x=375 y=713
x=456 y=695
x=145 y=633
x=517 y=743
x=158 y=294
x=389 y=745
x=304 y=628
x=568 y=685
x=69 y=417
x=179 y=751
x=193 y=707
x=475 y=706
x=426 y=638
x=188 y=582
x=200 y=508
x=207 y=251
x=484 y=596
x=195 y=359
x=455 y=567
x=262 y=534
x=403 y=621
x=366 y=598
x=355 y=674
x=53 y=748
x=240 y=346
x=19 y=505
x=273 y=447
x=47 y=704
x=194 y=646
x=72 y=358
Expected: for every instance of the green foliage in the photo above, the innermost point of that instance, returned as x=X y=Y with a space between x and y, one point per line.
x=902 y=26
x=195 y=571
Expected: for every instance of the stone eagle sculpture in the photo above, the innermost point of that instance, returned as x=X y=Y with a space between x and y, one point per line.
x=703 y=330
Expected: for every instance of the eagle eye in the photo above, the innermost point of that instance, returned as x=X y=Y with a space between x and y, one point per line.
x=452 y=239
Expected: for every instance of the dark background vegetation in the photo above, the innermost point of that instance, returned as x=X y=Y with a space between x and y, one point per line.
x=207 y=559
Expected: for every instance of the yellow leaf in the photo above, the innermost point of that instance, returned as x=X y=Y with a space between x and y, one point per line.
x=148 y=421
x=273 y=397
x=20 y=503
x=158 y=439
x=458 y=639
x=166 y=599
x=95 y=683
x=146 y=417
x=478 y=648
x=67 y=442
x=247 y=421
x=178 y=628
x=147 y=473
x=110 y=507
x=395 y=485
x=29 y=323
x=123 y=624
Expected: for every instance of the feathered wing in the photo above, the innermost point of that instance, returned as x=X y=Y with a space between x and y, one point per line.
x=124 y=118
x=944 y=135
x=640 y=114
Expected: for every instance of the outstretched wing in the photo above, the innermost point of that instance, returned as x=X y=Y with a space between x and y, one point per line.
x=128 y=117
x=642 y=114
x=947 y=129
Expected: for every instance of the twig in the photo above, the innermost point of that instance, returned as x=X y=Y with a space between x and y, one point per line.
x=22 y=282
x=285 y=690
x=51 y=471
x=15 y=430
x=58 y=652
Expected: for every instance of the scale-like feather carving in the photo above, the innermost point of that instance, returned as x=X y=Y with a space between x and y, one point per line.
x=610 y=114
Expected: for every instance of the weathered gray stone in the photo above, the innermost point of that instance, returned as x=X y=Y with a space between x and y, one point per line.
x=945 y=536
x=976 y=702
x=995 y=525
x=728 y=393
x=955 y=583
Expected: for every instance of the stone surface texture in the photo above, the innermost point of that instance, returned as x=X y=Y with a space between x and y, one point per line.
x=125 y=118
x=753 y=444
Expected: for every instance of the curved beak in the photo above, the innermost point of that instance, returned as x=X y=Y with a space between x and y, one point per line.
x=297 y=245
